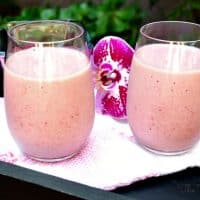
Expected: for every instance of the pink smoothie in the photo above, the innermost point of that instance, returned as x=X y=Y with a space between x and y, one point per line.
x=164 y=97
x=49 y=101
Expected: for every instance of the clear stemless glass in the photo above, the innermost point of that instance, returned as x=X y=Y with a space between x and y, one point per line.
x=49 y=96
x=163 y=102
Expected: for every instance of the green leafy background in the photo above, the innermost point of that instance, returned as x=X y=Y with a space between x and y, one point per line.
x=110 y=17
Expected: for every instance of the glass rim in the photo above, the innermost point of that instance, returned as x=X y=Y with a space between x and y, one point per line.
x=74 y=23
x=168 y=41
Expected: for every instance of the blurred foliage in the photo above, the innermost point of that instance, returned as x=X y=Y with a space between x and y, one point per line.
x=111 y=17
x=188 y=10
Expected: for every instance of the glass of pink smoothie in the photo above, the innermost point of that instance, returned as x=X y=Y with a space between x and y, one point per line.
x=49 y=95
x=163 y=103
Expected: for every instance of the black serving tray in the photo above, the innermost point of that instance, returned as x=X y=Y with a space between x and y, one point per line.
x=183 y=185
x=22 y=183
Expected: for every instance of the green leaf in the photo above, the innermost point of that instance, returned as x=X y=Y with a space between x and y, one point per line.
x=64 y=14
x=48 y=13
x=30 y=13
x=119 y=25
x=195 y=5
x=125 y=14
x=101 y=25
x=84 y=9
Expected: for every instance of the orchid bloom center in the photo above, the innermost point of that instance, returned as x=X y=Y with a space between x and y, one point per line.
x=109 y=78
